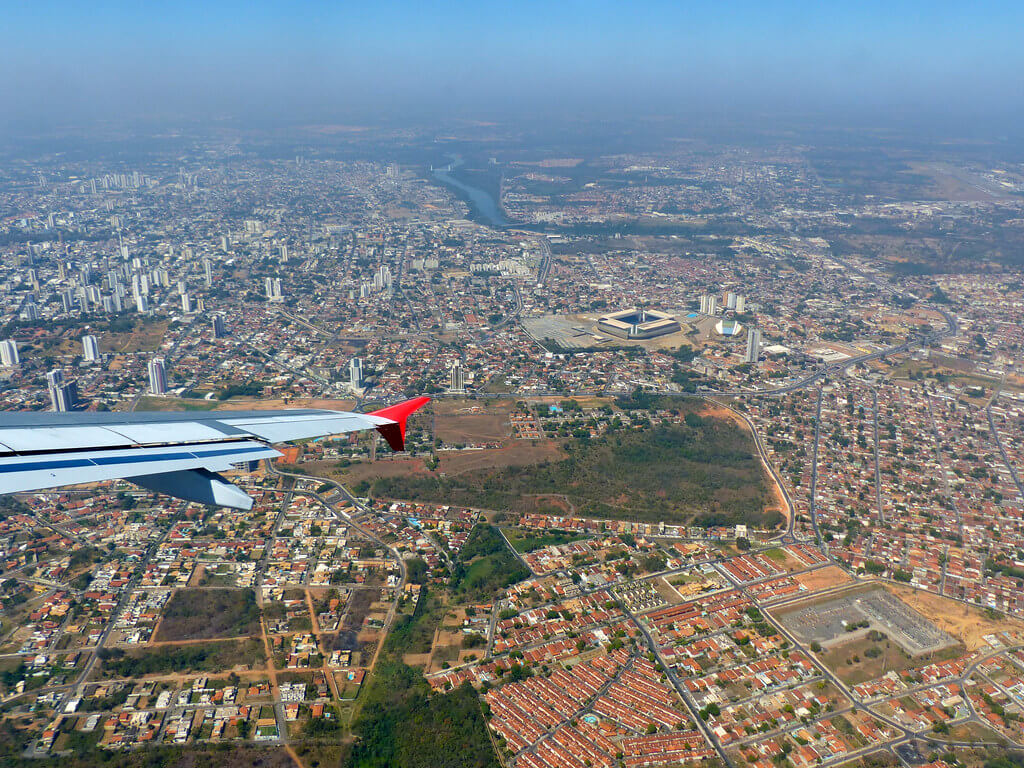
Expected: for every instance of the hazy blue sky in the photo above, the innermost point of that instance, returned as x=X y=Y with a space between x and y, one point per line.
x=63 y=61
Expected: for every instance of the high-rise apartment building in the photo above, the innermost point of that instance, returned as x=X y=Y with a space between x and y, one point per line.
x=753 y=346
x=157 y=376
x=457 y=377
x=355 y=373
x=9 y=353
x=90 y=349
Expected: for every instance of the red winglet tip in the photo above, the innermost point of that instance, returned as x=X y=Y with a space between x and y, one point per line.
x=399 y=412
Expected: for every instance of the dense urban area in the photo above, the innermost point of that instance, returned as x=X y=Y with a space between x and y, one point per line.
x=723 y=465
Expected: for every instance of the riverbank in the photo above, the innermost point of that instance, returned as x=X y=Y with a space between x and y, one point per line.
x=484 y=206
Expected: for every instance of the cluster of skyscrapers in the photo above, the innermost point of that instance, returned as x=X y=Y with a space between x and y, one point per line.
x=734 y=301
x=272 y=288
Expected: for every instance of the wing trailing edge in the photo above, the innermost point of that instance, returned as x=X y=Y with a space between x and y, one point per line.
x=176 y=454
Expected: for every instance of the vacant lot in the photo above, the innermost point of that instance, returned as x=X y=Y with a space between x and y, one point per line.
x=862 y=659
x=299 y=402
x=213 y=656
x=470 y=422
x=515 y=454
x=359 y=607
x=823 y=578
x=485 y=566
x=202 y=614
x=145 y=336
x=525 y=540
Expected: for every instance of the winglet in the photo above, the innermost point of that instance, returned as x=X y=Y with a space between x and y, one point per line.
x=398 y=413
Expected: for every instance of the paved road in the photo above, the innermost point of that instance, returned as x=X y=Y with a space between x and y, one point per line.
x=670 y=672
x=878 y=465
x=1002 y=450
x=814 y=471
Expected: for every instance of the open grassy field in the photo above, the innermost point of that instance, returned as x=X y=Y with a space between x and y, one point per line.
x=852 y=664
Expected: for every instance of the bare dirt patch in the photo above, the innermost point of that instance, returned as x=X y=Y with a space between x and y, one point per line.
x=445 y=649
x=416 y=660
x=458 y=423
x=262 y=404
x=667 y=591
x=823 y=578
x=784 y=560
x=964 y=622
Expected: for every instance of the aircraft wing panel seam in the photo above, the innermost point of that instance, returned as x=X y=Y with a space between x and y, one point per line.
x=99 y=461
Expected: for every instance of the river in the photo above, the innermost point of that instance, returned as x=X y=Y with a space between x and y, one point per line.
x=481 y=202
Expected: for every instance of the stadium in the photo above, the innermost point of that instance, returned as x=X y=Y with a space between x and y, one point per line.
x=637 y=323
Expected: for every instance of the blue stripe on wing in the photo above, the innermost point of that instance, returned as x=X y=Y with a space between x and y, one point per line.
x=107 y=460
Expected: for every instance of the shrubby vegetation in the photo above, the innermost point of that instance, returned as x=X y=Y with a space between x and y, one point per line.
x=704 y=470
x=247 y=389
x=83 y=754
x=209 y=657
x=194 y=614
x=527 y=540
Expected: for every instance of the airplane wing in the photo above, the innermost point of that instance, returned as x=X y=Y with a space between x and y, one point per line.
x=178 y=454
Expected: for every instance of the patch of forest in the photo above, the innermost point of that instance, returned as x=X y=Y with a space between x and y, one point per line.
x=485 y=566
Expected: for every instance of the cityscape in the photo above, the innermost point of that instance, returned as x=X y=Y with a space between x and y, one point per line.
x=681 y=353
x=845 y=584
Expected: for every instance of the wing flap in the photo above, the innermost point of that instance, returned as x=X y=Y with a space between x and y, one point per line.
x=279 y=429
x=155 y=434
x=175 y=453
x=393 y=420
x=36 y=439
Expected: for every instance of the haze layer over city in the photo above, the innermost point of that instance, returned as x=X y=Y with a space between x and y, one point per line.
x=720 y=311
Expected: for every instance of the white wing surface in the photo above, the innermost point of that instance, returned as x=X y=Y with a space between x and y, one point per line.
x=175 y=453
